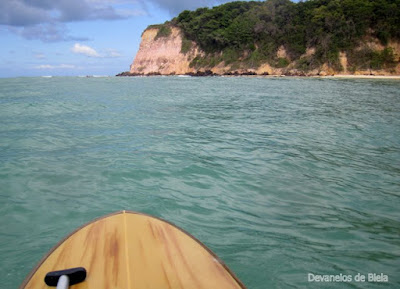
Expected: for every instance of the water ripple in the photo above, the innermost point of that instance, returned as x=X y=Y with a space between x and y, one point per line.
x=280 y=177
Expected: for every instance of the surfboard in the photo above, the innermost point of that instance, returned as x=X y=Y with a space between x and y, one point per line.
x=128 y=250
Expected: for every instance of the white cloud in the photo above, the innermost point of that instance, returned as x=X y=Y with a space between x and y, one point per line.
x=60 y=66
x=174 y=7
x=46 y=20
x=39 y=55
x=113 y=53
x=85 y=50
x=91 y=52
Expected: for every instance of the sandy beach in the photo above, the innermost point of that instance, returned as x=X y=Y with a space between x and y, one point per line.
x=363 y=76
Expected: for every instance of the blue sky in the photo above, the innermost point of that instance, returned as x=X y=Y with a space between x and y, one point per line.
x=78 y=37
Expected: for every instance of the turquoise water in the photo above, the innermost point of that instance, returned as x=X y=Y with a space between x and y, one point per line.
x=280 y=177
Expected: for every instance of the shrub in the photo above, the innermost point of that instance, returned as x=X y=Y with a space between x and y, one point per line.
x=186 y=45
x=164 y=30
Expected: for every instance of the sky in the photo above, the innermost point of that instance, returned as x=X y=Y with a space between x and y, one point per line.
x=79 y=37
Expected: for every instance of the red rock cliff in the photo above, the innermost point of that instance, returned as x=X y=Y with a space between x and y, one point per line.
x=163 y=54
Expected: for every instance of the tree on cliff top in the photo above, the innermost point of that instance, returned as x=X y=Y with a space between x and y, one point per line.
x=258 y=29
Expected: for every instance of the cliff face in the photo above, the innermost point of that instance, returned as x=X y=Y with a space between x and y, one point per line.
x=163 y=55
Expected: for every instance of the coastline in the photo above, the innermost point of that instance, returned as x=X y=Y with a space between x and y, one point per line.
x=203 y=74
x=363 y=76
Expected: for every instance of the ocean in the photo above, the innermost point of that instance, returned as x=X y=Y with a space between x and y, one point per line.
x=285 y=179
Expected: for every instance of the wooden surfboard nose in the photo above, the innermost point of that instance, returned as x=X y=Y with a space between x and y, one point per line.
x=128 y=250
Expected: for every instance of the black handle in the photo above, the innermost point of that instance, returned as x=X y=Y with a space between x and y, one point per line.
x=75 y=275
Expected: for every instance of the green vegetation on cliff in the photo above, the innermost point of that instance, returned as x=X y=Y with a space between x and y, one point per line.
x=253 y=32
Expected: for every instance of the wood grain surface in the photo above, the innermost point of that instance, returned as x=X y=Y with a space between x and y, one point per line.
x=127 y=250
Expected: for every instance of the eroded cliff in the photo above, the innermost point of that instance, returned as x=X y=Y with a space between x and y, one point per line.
x=163 y=54
x=170 y=53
